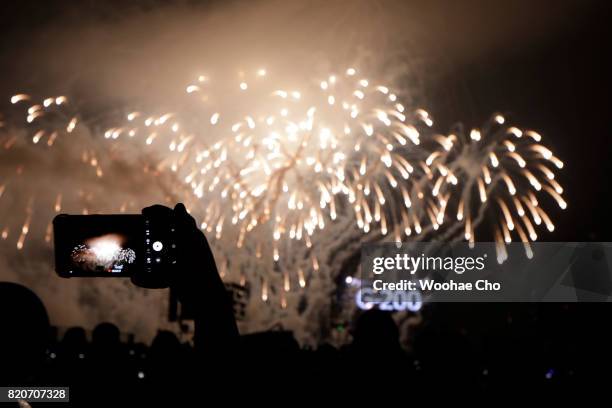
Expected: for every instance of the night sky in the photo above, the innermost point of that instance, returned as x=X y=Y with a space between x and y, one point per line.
x=559 y=84
x=545 y=64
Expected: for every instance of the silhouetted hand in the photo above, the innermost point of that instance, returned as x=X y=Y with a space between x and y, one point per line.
x=198 y=286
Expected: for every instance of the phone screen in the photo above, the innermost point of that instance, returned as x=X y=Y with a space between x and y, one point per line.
x=98 y=245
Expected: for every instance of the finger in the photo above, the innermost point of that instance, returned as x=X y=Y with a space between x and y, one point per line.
x=156 y=210
x=198 y=238
x=183 y=216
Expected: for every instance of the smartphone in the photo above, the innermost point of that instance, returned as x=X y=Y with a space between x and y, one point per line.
x=113 y=246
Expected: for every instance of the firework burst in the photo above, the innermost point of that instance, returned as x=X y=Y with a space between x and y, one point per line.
x=278 y=159
x=498 y=174
x=278 y=162
x=50 y=163
x=47 y=121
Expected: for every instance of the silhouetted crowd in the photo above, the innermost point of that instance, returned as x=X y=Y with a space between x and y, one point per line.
x=478 y=348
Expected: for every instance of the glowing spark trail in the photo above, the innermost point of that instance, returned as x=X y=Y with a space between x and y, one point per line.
x=281 y=158
x=50 y=164
x=496 y=177
x=271 y=163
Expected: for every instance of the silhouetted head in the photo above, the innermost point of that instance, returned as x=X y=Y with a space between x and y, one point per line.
x=165 y=342
x=376 y=329
x=74 y=339
x=24 y=325
x=105 y=335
